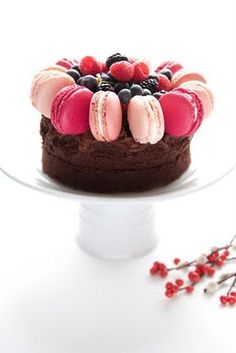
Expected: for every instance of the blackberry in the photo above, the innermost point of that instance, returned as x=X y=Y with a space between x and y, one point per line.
x=115 y=58
x=105 y=87
x=151 y=84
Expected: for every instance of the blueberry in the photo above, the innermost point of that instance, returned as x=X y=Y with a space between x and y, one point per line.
x=90 y=82
x=79 y=82
x=121 y=85
x=124 y=96
x=146 y=92
x=105 y=77
x=167 y=73
x=74 y=74
x=105 y=87
x=76 y=67
x=157 y=95
x=136 y=90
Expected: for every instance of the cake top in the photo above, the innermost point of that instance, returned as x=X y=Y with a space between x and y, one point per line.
x=90 y=94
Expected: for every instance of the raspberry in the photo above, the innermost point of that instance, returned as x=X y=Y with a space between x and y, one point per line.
x=164 y=83
x=122 y=71
x=103 y=68
x=141 y=71
x=89 y=66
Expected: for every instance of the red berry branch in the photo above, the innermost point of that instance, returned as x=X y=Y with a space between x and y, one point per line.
x=204 y=266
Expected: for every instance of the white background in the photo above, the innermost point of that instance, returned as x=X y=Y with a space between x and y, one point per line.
x=36 y=230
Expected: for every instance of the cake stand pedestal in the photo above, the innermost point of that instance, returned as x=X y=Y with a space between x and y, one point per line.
x=117 y=231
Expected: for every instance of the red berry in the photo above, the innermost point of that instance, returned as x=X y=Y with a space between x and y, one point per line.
x=223 y=257
x=226 y=253
x=154 y=269
x=179 y=282
x=223 y=299
x=169 y=293
x=175 y=288
x=233 y=294
x=141 y=71
x=89 y=66
x=164 y=83
x=219 y=262
x=232 y=300
x=176 y=261
x=189 y=289
x=162 y=267
x=200 y=269
x=211 y=271
x=103 y=67
x=169 y=285
x=122 y=71
x=164 y=273
x=193 y=276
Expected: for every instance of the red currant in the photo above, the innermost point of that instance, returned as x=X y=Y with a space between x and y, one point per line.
x=193 y=276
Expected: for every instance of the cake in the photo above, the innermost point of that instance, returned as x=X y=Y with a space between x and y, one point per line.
x=118 y=126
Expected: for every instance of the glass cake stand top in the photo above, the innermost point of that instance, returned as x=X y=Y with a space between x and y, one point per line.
x=116 y=225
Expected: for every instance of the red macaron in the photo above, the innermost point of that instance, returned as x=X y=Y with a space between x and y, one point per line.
x=70 y=110
x=183 y=112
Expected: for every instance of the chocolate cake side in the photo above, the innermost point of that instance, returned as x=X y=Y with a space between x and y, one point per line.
x=123 y=165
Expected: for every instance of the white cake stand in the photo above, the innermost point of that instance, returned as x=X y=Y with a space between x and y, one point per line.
x=86 y=305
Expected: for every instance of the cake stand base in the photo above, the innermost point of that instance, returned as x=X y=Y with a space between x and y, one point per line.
x=117 y=230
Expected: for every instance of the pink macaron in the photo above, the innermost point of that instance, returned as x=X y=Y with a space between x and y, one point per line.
x=67 y=63
x=105 y=116
x=183 y=75
x=205 y=94
x=70 y=110
x=183 y=112
x=145 y=118
x=45 y=86
x=173 y=66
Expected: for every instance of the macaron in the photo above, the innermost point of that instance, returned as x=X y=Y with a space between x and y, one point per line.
x=55 y=67
x=105 y=116
x=184 y=75
x=204 y=93
x=173 y=66
x=70 y=110
x=145 y=118
x=183 y=112
x=67 y=63
x=45 y=86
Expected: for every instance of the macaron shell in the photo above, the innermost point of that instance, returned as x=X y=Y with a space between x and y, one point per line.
x=171 y=65
x=204 y=93
x=70 y=110
x=183 y=75
x=44 y=88
x=55 y=67
x=145 y=118
x=105 y=116
x=183 y=112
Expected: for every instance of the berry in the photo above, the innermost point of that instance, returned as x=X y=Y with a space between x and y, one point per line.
x=124 y=96
x=164 y=83
x=169 y=285
x=175 y=288
x=176 y=260
x=151 y=84
x=233 y=294
x=103 y=67
x=74 y=74
x=226 y=253
x=232 y=300
x=210 y=272
x=167 y=73
x=157 y=95
x=193 y=276
x=115 y=58
x=179 y=282
x=89 y=66
x=154 y=269
x=136 y=90
x=105 y=87
x=105 y=77
x=189 y=289
x=76 y=67
x=146 y=92
x=121 y=85
x=141 y=71
x=223 y=299
x=153 y=75
x=122 y=71
x=169 y=293
x=219 y=262
x=89 y=81
x=164 y=273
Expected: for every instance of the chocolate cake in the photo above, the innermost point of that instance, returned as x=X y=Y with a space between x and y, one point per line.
x=84 y=163
x=118 y=126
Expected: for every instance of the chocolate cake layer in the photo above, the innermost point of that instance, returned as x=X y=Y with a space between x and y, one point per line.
x=81 y=162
